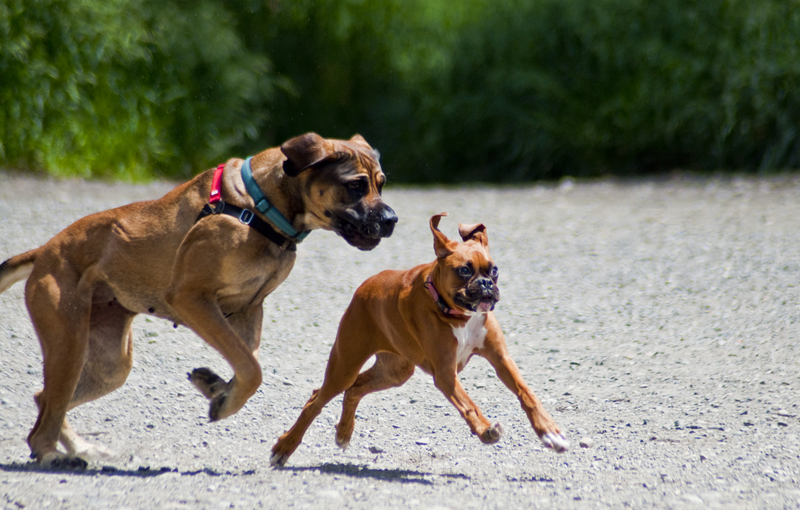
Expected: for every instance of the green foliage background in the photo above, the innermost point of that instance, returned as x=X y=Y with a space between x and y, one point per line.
x=500 y=91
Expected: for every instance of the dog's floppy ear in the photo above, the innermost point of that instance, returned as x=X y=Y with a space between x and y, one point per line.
x=305 y=151
x=360 y=139
x=476 y=232
x=441 y=244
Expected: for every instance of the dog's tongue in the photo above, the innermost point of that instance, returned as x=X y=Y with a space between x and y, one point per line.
x=485 y=306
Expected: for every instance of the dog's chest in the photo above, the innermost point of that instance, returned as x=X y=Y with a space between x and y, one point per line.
x=470 y=336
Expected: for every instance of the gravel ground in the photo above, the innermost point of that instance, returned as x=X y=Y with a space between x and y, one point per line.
x=656 y=320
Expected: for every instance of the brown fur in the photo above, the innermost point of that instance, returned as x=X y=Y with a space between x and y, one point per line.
x=393 y=316
x=88 y=282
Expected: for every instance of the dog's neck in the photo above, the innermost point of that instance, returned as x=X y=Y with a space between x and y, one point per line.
x=282 y=191
x=433 y=283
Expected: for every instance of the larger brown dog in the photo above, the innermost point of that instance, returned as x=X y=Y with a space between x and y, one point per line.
x=434 y=316
x=211 y=274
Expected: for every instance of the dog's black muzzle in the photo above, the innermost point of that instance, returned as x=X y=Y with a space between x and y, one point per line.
x=379 y=222
x=481 y=291
x=364 y=227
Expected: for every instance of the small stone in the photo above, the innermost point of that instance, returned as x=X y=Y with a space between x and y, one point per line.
x=678 y=424
x=586 y=442
x=375 y=449
x=422 y=441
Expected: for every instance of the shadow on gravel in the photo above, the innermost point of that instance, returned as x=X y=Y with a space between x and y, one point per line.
x=141 y=472
x=390 y=475
x=529 y=479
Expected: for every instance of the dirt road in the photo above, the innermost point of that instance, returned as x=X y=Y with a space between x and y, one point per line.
x=657 y=321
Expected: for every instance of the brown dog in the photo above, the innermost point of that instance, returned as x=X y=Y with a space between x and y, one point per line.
x=434 y=316
x=210 y=272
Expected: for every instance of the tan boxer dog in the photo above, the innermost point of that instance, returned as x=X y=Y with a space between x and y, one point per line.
x=434 y=316
x=208 y=270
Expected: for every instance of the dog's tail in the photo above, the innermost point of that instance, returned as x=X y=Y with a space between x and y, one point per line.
x=17 y=268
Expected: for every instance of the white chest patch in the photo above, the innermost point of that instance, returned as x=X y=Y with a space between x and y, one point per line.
x=470 y=336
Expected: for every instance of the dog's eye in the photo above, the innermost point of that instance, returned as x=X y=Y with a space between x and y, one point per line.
x=493 y=272
x=357 y=188
x=464 y=271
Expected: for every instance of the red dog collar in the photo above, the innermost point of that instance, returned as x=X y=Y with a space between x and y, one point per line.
x=215 y=184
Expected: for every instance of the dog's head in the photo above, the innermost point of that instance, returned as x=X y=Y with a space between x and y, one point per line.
x=341 y=187
x=465 y=273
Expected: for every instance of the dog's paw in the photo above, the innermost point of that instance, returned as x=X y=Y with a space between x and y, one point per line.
x=58 y=460
x=342 y=443
x=278 y=459
x=492 y=434
x=556 y=441
x=209 y=383
x=216 y=406
x=94 y=452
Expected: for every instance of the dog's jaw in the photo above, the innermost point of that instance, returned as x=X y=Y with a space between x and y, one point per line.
x=478 y=302
x=365 y=229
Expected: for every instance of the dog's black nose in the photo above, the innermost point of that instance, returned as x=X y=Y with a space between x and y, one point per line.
x=486 y=285
x=387 y=221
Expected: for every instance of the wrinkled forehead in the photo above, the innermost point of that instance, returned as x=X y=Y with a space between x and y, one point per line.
x=360 y=159
x=473 y=252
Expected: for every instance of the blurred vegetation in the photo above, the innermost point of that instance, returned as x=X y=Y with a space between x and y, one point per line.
x=500 y=91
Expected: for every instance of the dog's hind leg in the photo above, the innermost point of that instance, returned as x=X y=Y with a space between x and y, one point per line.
x=348 y=355
x=108 y=363
x=60 y=311
x=109 y=359
x=248 y=326
x=389 y=371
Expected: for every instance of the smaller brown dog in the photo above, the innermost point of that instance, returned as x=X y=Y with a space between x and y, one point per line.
x=434 y=316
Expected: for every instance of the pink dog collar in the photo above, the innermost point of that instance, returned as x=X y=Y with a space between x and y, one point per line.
x=439 y=301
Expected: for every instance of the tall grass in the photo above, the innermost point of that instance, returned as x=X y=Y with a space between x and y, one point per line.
x=124 y=88
x=502 y=91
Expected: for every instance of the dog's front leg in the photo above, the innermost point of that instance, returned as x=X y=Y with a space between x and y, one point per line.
x=206 y=319
x=247 y=325
x=446 y=380
x=496 y=352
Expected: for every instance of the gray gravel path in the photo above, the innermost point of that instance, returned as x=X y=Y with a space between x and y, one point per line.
x=657 y=321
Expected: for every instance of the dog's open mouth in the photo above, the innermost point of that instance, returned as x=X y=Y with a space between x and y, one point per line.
x=483 y=305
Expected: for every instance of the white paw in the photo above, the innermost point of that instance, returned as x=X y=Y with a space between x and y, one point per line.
x=95 y=452
x=343 y=445
x=497 y=431
x=278 y=459
x=555 y=441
